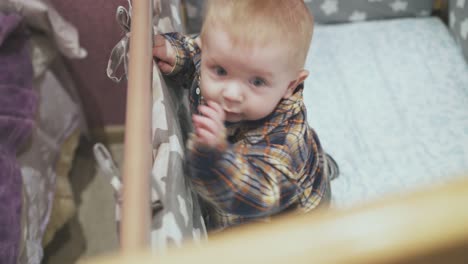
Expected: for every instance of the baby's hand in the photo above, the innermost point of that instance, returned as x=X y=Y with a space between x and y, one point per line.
x=209 y=127
x=164 y=53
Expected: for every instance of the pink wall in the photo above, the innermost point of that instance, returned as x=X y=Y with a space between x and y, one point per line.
x=104 y=100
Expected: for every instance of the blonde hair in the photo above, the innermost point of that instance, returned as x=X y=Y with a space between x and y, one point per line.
x=288 y=22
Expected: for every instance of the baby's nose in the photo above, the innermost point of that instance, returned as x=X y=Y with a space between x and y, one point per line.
x=232 y=94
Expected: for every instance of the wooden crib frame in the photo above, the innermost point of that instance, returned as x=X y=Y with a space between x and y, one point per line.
x=137 y=144
x=428 y=226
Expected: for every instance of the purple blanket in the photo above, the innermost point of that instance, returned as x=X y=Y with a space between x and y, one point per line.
x=18 y=106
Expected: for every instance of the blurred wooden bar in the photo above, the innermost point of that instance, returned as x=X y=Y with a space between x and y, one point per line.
x=440 y=4
x=137 y=146
x=427 y=226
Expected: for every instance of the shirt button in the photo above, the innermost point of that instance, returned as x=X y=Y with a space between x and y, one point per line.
x=197 y=90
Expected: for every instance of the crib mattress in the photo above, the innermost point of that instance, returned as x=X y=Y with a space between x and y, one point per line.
x=389 y=101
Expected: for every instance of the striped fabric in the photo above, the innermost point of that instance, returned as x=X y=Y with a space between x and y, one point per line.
x=270 y=165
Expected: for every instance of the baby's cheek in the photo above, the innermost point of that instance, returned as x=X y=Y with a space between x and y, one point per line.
x=209 y=91
x=260 y=108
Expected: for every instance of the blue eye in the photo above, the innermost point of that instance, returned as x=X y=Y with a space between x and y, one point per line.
x=220 y=71
x=258 y=82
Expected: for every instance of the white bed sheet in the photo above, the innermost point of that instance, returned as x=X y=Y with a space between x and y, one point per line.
x=389 y=101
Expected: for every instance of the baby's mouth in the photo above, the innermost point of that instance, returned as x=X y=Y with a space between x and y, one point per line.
x=231 y=112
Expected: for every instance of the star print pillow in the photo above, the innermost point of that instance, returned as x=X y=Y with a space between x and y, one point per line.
x=458 y=18
x=339 y=11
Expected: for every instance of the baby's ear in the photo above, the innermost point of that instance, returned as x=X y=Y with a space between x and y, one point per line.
x=301 y=76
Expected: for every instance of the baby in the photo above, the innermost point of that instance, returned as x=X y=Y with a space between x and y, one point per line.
x=252 y=154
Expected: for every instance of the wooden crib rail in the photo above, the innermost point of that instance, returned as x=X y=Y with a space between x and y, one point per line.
x=137 y=146
x=428 y=226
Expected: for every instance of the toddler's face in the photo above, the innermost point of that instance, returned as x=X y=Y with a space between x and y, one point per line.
x=248 y=82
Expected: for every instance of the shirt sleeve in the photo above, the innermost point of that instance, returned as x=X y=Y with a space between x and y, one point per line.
x=252 y=183
x=186 y=48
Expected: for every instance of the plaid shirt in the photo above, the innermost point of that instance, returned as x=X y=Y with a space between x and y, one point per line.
x=269 y=166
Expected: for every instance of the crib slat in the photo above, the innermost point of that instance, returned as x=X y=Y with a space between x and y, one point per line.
x=137 y=146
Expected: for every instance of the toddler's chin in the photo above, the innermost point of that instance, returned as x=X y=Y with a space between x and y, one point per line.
x=233 y=118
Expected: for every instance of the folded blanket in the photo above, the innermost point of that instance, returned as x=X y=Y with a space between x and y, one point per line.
x=18 y=105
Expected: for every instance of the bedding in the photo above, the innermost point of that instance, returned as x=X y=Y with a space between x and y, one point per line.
x=389 y=101
x=18 y=102
x=40 y=15
x=180 y=219
x=334 y=11
x=48 y=198
x=339 y=11
x=53 y=114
